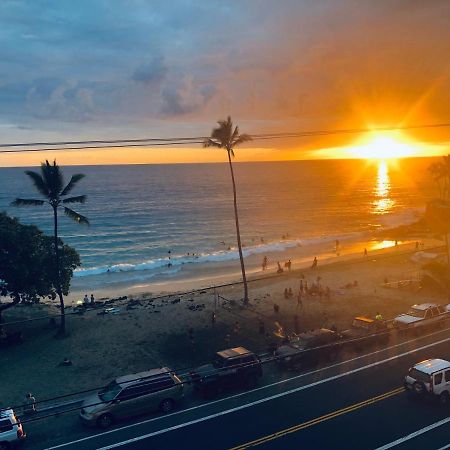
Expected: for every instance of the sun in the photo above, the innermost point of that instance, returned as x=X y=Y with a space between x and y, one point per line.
x=384 y=146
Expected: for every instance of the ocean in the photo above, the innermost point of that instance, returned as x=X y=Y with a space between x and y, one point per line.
x=152 y=225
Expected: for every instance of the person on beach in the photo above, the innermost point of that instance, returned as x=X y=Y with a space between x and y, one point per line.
x=280 y=269
x=417 y=245
x=301 y=286
x=92 y=299
x=264 y=263
x=86 y=300
x=314 y=264
x=299 y=300
x=30 y=404
x=365 y=252
x=289 y=264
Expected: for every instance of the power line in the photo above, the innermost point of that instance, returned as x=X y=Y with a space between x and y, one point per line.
x=151 y=142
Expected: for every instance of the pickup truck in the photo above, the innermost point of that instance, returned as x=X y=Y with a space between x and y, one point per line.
x=230 y=368
x=308 y=348
x=364 y=332
x=422 y=316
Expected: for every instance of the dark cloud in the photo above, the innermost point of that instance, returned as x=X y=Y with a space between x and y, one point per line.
x=151 y=73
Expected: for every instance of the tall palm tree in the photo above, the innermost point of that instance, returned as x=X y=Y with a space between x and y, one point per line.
x=225 y=137
x=50 y=184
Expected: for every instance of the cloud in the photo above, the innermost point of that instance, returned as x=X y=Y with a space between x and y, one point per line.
x=186 y=98
x=152 y=73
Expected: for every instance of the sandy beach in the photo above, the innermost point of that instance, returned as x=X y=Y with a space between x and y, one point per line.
x=152 y=329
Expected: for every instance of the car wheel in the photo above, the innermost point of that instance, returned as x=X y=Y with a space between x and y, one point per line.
x=105 y=420
x=5 y=445
x=166 y=405
x=419 y=388
x=444 y=398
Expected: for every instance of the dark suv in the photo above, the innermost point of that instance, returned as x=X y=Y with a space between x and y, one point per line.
x=308 y=348
x=365 y=332
x=230 y=368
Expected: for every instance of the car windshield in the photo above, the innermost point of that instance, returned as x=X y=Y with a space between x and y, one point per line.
x=109 y=392
x=419 y=376
x=218 y=362
x=417 y=313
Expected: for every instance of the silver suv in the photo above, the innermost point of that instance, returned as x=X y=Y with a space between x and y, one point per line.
x=132 y=395
x=430 y=378
x=11 y=431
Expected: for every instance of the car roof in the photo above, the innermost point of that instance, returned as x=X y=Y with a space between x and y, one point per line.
x=6 y=414
x=430 y=366
x=424 y=306
x=233 y=352
x=364 y=319
x=137 y=377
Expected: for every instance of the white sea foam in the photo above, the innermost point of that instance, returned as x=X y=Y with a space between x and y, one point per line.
x=210 y=257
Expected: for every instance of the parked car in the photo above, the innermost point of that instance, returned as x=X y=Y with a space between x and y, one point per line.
x=132 y=395
x=422 y=316
x=308 y=348
x=230 y=368
x=11 y=431
x=430 y=378
x=365 y=332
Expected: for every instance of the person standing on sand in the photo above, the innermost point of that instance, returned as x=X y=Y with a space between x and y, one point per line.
x=85 y=300
x=289 y=264
x=264 y=263
x=365 y=252
x=314 y=264
x=280 y=269
x=92 y=299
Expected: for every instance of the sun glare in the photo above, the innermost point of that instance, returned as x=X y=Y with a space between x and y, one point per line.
x=384 y=146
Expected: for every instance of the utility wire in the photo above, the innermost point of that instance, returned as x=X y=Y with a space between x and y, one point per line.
x=150 y=142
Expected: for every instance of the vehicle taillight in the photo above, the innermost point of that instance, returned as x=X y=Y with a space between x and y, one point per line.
x=19 y=433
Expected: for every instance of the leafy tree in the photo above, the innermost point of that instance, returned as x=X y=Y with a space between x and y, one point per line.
x=224 y=136
x=438 y=210
x=50 y=184
x=27 y=263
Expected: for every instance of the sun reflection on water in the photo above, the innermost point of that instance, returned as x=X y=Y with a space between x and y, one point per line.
x=383 y=203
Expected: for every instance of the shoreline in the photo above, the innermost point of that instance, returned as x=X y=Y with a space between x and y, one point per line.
x=212 y=276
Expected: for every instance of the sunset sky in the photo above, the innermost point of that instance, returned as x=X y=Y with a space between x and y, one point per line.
x=76 y=70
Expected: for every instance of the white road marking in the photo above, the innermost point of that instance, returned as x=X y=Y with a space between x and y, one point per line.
x=266 y=387
x=444 y=447
x=415 y=434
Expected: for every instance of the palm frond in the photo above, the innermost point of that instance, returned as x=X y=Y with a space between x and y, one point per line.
x=51 y=173
x=71 y=184
x=75 y=216
x=211 y=143
x=241 y=139
x=77 y=199
x=38 y=182
x=27 y=202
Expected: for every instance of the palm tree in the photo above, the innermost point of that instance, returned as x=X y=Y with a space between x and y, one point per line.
x=50 y=184
x=225 y=137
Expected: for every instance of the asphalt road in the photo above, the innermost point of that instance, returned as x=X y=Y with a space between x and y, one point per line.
x=357 y=404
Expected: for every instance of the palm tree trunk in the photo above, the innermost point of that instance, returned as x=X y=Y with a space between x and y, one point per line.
x=62 y=325
x=238 y=233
